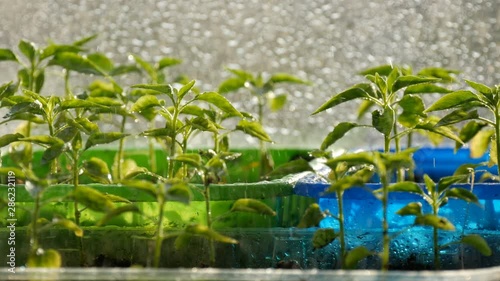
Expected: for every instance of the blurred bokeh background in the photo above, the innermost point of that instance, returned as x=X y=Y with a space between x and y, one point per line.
x=324 y=41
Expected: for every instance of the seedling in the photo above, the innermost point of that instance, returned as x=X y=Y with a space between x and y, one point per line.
x=264 y=91
x=211 y=167
x=395 y=91
x=437 y=195
x=465 y=105
x=38 y=256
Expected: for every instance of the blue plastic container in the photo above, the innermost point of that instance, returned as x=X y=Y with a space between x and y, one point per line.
x=440 y=162
x=363 y=224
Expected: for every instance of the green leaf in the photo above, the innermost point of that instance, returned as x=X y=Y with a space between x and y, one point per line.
x=145 y=102
x=51 y=153
x=219 y=101
x=359 y=178
x=116 y=198
x=480 y=142
x=10 y=138
x=103 y=138
x=355 y=255
x=364 y=107
x=337 y=133
x=129 y=208
x=160 y=132
x=253 y=129
x=443 y=130
x=411 y=209
x=85 y=40
x=178 y=191
x=77 y=142
x=44 y=258
x=158 y=88
x=28 y=49
x=168 y=62
x=406 y=186
x=445 y=182
x=408 y=80
x=413 y=111
x=358 y=158
x=78 y=103
x=322 y=237
x=242 y=74
x=185 y=89
x=43 y=139
x=434 y=221
x=147 y=67
x=469 y=131
x=192 y=159
x=230 y=85
x=462 y=193
x=383 y=120
x=143 y=185
x=312 y=217
x=478 y=243
x=453 y=100
x=479 y=87
x=205 y=231
x=123 y=69
x=286 y=78
x=84 y=125
x=24 y=78
x=356 y=92
x=69 y=225
x=203 y=124
x=92 y=199
x=12 y=171
x=249 y=205
x=52 y=49
x=292 y=167
x=97 y=169
x=441 y=73
x=383 y=70
x=75 y=62
x=101 y=61
x=7 y=55
x=276 y=102
x=39 y=80
x=457 y=116
x=426 y=88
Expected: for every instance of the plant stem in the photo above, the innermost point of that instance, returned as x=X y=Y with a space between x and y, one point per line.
x=67 y=88
x=159 y=234
x=120 y=149
x=340 y=198
x=75 y=205
x=385 y=225
x=172 y=145
x=209 y=219
x=497 y=136
x=400 y=173
x=152 y=153
x=387 y=143
x=265 y=158
x=34 y=225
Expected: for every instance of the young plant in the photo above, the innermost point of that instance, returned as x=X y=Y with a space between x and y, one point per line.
x=339 y=182
x=437 y=195
x=480 y=130
x=211 y=167
x=181 y=104
x=156 y=75
x=38 y=256
x=264 y=91
x=384 y=164
x=395 y=91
